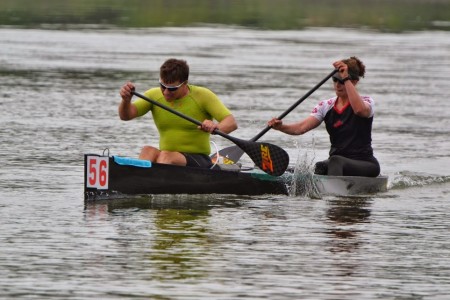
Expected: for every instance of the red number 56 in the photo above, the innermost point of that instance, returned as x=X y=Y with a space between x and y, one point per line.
x=97 y=172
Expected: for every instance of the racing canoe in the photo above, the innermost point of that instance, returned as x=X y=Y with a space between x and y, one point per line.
x=108 y=177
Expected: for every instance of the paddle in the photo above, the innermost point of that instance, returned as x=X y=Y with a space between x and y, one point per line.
x=232 y=154
x=270 y=158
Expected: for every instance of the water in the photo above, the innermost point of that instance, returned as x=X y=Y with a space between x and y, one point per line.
x=59 y=97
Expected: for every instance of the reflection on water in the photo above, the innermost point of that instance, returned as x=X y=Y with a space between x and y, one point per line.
x=180 y=243
x=345 y=213
x=179 y=238
x=348 y=217
x=349 y=210
x=159 y=202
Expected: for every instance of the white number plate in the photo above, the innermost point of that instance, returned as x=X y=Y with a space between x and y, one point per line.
x=97 y=172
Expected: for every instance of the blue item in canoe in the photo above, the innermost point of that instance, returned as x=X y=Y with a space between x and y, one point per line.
x=129 y=161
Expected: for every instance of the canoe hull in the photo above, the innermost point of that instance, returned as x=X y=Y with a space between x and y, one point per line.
x=107 y=177
x=170 y=179
x=349 y=185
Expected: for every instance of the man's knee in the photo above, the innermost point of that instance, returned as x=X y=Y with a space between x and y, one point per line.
x=173 y=158
x=149 y=153
x=165 y=158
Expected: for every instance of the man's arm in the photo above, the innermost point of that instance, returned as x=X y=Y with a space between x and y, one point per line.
x=127 y=110
x=228 y=124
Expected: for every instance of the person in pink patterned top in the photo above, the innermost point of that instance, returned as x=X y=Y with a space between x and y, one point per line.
x=348 y=118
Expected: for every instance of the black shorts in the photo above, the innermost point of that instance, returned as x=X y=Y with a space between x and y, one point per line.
x=198 y=160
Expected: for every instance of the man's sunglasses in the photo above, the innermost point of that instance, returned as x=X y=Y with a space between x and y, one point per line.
x=170 y=88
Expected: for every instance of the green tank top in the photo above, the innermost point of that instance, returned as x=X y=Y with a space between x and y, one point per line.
x=176 y=133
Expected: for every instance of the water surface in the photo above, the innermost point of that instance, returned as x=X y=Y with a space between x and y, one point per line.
x=59 y=97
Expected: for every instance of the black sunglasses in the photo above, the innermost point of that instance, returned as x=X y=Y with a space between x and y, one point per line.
x=337 y=80
x=170 y=88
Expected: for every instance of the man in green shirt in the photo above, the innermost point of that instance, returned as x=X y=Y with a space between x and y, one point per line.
x=181 y=142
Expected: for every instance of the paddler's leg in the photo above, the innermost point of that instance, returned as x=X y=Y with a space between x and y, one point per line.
x=321 y=167
x=336 y=165
x=171 y=158
x=149 y=153
x=163 y=157
x=342 y=166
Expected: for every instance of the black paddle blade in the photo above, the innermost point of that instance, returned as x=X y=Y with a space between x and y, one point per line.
x=268 y=157
x=230 y=154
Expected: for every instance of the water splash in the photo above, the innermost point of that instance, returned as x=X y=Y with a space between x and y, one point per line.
x=302 y=183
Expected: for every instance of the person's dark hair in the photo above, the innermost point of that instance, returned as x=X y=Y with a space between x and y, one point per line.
x=173 y=70
x=356 y=68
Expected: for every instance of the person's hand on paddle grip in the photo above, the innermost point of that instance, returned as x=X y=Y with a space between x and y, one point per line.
x=342 y=67
x=275 y=123
x=208 y=126
x=126 y=91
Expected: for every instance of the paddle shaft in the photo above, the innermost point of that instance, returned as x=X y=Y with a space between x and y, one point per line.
x=197 y=122
x=293 y=106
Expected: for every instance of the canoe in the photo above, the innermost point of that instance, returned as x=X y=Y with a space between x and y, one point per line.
x=113 y=176
x=109 y=177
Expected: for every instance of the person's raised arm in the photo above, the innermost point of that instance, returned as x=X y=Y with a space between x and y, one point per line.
x=360 y=108
x=127 y=110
